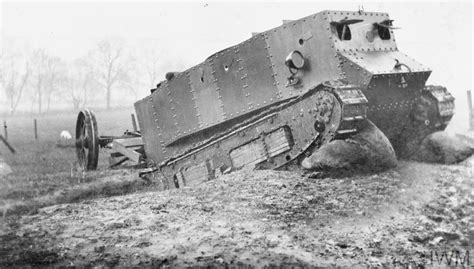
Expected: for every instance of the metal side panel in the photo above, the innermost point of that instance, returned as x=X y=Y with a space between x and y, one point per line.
x=383 y=62
x=323 y=64
x=353 y=73
x=249 y=154
x=228 y=75
x=206 y=95
x=262 y=148
x=310 y=36
x=260 y=86
x=280 y=42
x=363 y=37
x=166 y=113
x=183 y=106
x=387 y=98
x=279 y=141
x=195 y=174
x=148 y=126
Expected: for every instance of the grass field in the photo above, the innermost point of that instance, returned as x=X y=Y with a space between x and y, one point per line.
x=43 y=172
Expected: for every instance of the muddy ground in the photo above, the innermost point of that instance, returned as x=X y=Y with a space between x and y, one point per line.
x=414 y=214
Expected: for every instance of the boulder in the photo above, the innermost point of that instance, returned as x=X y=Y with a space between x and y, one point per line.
x=4 y=168
x=442 y=147
x=368 y=150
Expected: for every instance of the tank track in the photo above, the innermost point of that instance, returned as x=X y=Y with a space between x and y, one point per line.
x=431 y=113
x=442 y=103
x=275 y=139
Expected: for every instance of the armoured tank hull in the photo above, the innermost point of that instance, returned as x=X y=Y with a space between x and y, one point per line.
x=272 y=138
x=282 y=93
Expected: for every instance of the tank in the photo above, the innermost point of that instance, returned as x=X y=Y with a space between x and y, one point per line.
x=273 y=99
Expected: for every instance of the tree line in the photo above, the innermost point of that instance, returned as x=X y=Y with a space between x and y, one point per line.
x=37 y=79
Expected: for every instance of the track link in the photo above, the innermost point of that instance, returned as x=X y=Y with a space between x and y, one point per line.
x=432 y=112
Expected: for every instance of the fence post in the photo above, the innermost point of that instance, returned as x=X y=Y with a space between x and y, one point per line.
x=5 y=128
x=36 y=130
x=6 y=143
x=471 y=113
x=134 y=123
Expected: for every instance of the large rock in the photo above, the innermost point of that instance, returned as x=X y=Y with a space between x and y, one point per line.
x=442 y=147
x=368 y=150
x=4 y=168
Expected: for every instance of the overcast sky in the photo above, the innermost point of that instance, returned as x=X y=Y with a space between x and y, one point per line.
x=194 y=30
x=437 y=34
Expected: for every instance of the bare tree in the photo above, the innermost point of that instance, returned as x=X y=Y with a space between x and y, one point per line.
x=132 y=80
x=54 y=71
x=38 y=60
x=133 y=84
x=13 y=79
x=111 y=66
x=151 y=63
x=78 y=82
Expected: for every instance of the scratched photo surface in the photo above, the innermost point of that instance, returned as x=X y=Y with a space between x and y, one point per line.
x=236 y=134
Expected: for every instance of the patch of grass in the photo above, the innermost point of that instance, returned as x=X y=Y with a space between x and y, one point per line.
x=43 y=156
x=45 y=174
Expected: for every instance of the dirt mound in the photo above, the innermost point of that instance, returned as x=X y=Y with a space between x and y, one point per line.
x=442 y=147
x=15 y=200
x=259 y=218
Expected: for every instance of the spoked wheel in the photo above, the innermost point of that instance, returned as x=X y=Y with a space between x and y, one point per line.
x=87 y=140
